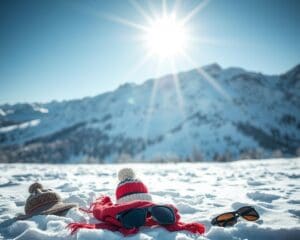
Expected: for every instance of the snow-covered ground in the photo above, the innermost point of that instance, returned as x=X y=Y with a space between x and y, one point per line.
x=200 y=191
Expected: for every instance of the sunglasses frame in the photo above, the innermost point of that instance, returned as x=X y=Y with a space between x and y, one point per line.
x=146 y=210
x=236 y=214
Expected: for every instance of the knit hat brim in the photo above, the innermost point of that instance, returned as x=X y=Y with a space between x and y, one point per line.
x=54 y=209
x=134 y=197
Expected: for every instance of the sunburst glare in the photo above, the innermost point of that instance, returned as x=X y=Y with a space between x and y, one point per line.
x=166 y=37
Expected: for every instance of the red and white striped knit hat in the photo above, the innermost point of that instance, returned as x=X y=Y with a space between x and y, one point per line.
x=130 y=188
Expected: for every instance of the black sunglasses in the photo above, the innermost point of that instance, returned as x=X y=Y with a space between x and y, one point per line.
x=230 y=218
x=136 y=217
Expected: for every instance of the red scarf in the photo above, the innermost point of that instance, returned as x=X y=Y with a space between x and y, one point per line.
x=105 y=211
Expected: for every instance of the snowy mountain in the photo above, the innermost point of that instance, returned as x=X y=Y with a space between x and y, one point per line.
x=209 y=113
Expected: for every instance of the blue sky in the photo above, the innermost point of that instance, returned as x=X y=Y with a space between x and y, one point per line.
x=55 y=49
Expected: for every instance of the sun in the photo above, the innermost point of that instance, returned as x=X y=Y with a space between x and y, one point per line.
x=166 y=37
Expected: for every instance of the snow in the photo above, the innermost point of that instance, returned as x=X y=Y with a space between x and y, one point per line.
x=2 y=113
x=40 y=109
x=199 y=190
x=24 y=125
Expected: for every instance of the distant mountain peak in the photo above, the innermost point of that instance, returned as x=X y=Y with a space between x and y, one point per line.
x=295 y=69
x=213 y=69
x=212 y=66
x=292 y=77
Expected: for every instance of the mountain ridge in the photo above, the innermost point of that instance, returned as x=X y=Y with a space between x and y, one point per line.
x=143 y=124
x=162 y=76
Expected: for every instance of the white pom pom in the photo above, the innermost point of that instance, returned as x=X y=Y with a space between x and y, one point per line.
x=126 y=173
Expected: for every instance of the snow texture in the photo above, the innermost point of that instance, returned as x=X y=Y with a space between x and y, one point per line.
x=200 y=191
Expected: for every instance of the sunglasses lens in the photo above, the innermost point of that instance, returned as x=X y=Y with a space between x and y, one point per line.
x=163 y=215
x=248 y=213
x=134 y=218
x=230 y=223
x=226 y=219
x=250 y=217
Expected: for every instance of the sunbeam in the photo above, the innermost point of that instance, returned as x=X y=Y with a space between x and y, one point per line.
x=196 y=10
x=125 y=22
x=164 y=7
x=176 y=80
x=207 y=41
x=151 y=101
x=180 y=101
x=140 y=9
x=208 y=78
x=176 y=6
